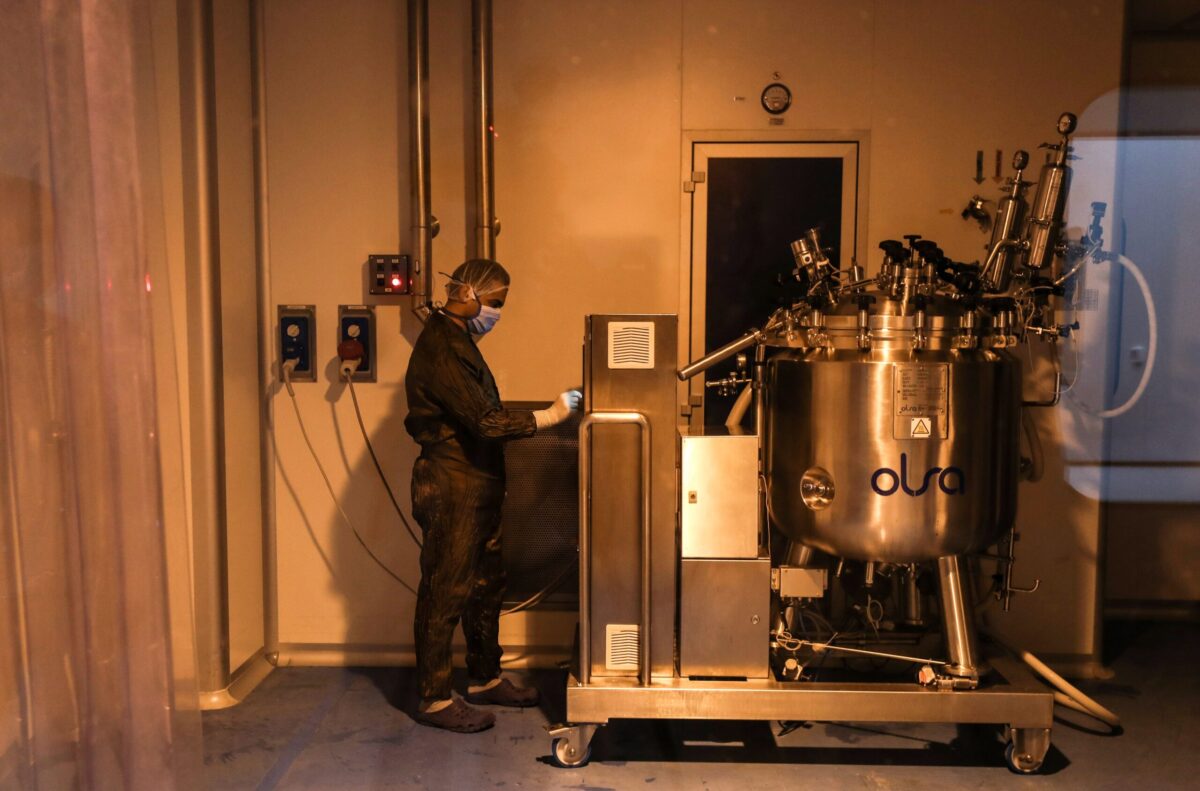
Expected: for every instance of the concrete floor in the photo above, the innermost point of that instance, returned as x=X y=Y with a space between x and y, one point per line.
x=326 y=728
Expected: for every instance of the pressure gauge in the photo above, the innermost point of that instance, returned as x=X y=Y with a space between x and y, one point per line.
x=776 y=98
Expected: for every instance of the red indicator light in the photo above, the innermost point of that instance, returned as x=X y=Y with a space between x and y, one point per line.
x=395 y=281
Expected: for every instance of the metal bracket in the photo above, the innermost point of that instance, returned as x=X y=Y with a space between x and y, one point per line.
x=1007 y=588
x=581 y=734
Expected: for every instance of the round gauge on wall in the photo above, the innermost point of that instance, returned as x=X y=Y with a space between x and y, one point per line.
x=776 y=98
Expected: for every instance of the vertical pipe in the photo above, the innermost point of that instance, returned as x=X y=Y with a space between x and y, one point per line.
x=912 y=597
x=958 y=619
x=266 y=334
x=204 y=349
x=798 y=555
x=760 y=429
x=485 y=219
x=418 y=111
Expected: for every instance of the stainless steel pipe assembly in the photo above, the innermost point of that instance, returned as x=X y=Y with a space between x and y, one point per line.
x=424 y=224
x=486 y=225
x=817 y=556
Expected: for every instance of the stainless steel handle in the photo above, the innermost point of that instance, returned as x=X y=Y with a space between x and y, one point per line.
x=724 y=353
x=585 y=526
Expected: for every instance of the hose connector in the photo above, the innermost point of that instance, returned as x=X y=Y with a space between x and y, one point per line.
x=285 y=371
x=351 y=353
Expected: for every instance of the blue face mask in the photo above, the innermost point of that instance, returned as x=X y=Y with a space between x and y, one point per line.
x=483 y=321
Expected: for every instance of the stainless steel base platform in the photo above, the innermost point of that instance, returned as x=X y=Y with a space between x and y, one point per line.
x=1010 y=696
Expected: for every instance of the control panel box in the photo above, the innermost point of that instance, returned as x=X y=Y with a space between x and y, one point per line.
x=719 y=492
x=724 y=618
x=298 y=340
x=357 y=323
x=389 y=275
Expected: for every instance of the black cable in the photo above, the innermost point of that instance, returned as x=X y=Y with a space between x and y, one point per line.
x=371 y=449
x=328 y=485
x=537 y=598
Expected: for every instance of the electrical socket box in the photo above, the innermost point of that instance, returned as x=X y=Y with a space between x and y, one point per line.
x=298 y=340
x=389 y=275
x=357 y=323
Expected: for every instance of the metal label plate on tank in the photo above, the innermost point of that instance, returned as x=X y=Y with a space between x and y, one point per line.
x=920 y=401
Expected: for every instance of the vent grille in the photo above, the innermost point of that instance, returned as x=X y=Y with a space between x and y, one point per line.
x=621 y=642
x=631 y=344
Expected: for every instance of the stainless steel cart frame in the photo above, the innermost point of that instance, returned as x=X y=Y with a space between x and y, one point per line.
x=1012 y=698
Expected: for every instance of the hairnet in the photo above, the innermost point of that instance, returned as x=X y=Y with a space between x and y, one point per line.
x=476 y=278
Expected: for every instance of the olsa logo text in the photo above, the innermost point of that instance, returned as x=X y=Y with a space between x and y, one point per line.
x=885 y=481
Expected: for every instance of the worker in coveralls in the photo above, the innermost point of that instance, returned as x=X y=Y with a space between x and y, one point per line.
x=455 y=414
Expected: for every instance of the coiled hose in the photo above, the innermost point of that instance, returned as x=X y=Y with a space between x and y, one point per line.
x=1151 y=352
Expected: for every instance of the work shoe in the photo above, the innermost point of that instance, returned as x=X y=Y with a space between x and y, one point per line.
x=505 y=693
x=457 y=717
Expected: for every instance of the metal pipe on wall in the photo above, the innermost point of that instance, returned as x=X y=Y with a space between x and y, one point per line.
x=424 y=224
x=266 y=319
x=486 y=226
x=201 y=239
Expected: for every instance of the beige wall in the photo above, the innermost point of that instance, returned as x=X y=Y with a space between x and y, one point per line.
x=333 y=105
x=592 y=101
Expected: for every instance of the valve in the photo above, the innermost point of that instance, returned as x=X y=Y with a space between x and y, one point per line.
x=919 y=340
x=730 y=384
x=864 y=301
x=976 y=209
x=928 y=249
x=1095 y=232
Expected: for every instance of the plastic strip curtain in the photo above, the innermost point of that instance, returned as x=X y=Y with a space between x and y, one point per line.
x=88 y=658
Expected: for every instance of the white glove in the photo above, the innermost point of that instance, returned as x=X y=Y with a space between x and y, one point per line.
x=560 y=410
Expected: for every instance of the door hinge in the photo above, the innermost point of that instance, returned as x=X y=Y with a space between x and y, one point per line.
x=698 y=177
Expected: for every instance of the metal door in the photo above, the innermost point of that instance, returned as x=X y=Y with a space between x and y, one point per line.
x=750 y=200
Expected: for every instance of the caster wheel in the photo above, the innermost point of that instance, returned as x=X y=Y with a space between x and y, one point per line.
x=1020 y=764
x=567 y=756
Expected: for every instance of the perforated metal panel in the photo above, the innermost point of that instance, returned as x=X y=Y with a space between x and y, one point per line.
x=541 y=511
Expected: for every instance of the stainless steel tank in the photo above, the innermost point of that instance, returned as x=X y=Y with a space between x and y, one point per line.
x=889 y=438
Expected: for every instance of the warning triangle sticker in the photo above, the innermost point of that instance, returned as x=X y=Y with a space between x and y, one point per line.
x=920 y=427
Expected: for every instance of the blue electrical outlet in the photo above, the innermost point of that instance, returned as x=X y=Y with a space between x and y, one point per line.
x=357 y=323
x=297 y=340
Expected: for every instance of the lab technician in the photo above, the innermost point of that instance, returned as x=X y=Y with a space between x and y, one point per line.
x=458 y=485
